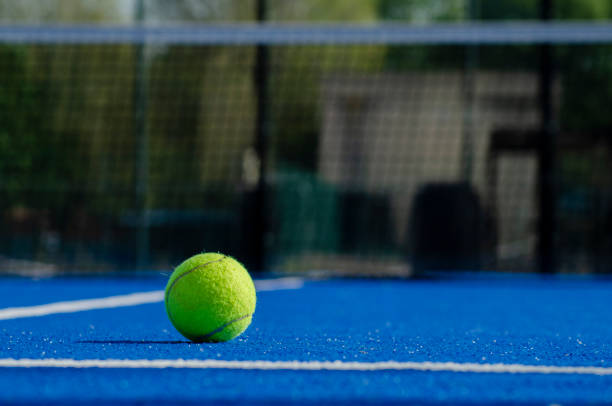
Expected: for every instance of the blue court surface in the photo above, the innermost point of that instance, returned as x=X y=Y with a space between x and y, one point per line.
x=461 y=340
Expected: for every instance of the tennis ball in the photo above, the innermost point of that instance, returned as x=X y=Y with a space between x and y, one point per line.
x=210 y=298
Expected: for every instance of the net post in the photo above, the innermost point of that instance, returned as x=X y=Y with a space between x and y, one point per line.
x=468 y=97
x=546 y=154
x=142 y=145
x=260 y=78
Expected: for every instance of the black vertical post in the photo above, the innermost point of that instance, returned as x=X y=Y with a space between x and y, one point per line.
x=142 y=145
x=468 y=88
x=261 y=146
x=546 y=154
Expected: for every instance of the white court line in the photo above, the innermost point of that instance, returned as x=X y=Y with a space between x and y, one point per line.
x=132 y=299
x=82 y=305
x=304 y=365
x=287 y=283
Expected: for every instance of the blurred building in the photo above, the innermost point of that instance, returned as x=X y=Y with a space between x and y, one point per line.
x=391 y=134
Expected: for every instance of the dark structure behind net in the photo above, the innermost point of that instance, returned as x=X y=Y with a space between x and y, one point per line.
x=386 y=150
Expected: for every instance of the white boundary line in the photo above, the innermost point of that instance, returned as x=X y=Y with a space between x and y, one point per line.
x=132 y=299
x=304 y=366
x=74 y=306
x=287 y=283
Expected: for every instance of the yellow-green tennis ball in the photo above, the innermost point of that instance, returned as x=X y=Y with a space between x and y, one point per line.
x=210 y=298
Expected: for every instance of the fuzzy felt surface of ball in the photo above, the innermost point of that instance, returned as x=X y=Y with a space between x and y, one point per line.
x=210 y=297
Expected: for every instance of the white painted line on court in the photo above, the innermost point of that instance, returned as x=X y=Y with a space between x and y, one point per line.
x=131 y=299
x=304 y=365
x=73 y=306
x=287 y=283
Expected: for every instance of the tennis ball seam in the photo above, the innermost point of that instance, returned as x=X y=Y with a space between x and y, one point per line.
x=187 y=273
x=218 y=329
x=195 y=268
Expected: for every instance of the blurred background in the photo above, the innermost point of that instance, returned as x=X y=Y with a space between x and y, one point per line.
x=136 y=133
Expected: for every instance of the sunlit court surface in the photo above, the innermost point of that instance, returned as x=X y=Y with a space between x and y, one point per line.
x=305 y=202
x=513 y=340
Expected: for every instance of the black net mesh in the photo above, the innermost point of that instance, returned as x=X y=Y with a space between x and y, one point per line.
x=363 y=151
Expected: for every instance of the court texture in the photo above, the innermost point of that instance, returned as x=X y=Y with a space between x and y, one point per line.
x=468 y=339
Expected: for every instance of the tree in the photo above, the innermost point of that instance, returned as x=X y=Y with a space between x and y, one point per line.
x=32 y=157
x=63 y=11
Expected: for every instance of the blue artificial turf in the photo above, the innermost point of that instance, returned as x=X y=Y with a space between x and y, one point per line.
x=16 y=291
x=517 y=319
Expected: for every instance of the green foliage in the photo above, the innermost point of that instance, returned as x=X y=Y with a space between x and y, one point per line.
x=60 y=10
x=508 y=10
x=297 y=77
x=200 y=112
x=322 y=10
x=421 y=11
x=529 y=9
x=32 y=160
x=583 y=9
x=298 y=74
x=585 y=71
x=208 y=10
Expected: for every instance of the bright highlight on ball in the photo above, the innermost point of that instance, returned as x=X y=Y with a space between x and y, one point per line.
x=210 y=298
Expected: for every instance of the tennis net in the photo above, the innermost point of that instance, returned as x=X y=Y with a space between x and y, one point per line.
x=376 y=149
